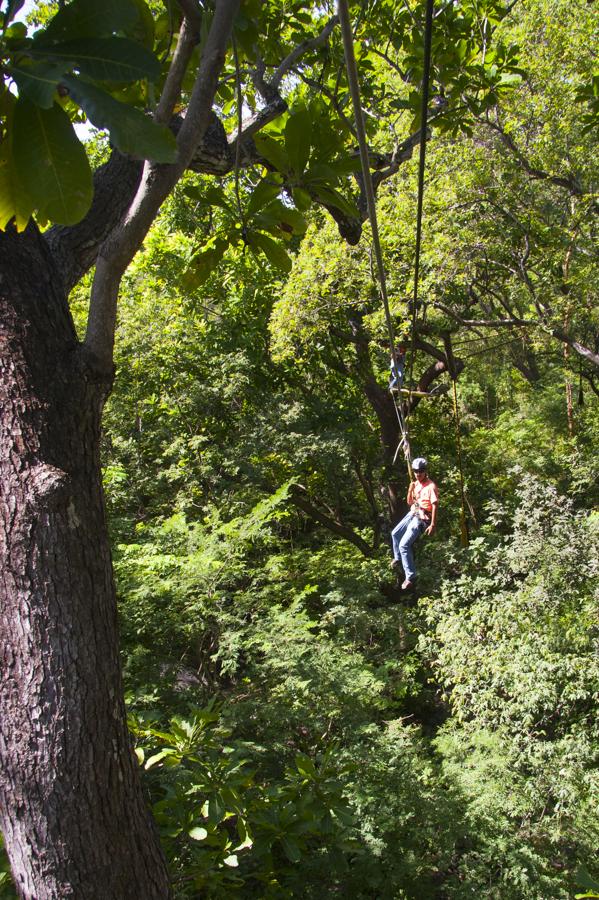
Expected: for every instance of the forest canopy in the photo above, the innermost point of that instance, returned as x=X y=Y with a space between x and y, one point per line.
x=199 y=441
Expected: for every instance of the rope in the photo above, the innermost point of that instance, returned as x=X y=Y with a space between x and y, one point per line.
x=465 y=539
x=354 y=87
x=428 y=31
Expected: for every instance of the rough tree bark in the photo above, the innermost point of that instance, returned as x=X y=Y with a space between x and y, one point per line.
x=71 y=805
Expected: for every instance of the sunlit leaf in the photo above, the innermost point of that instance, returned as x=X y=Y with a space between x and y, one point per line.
x=51 y=162
x=265 y=191
x=272 y=151
x=273 y=251
x=15 y=202
x=131 y=131
x=104 y=59
x=89 y=18
x=38 y=80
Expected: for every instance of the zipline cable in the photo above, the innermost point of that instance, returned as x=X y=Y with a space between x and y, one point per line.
x=354 y=87
x=426 y=72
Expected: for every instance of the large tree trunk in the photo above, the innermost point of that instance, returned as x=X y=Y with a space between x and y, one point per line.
x=71 y=803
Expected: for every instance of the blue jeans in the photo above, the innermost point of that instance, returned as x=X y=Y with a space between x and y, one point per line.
x=397 y=373
x=403 y=536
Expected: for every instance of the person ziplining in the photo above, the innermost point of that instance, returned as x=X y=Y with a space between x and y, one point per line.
x=397 y=368
x=422 y=493
x=423 y=500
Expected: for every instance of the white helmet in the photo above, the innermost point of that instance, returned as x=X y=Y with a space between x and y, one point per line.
x=420 y=464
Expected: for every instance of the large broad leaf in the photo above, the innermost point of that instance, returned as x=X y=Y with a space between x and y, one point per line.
x=298 y=138
x=89 y=18
x=204 y=262
x=272 y=151
x=279 y=217
x=38 y=80
x=51 y=162
x=344 y=166
x=130 y=130
x=331 y=197
x=273 y=251
x=104 y=59
x=15 y=202
x=265 y=191
x=143 y=30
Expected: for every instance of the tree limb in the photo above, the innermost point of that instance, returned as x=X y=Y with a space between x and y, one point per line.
x=304 y=47
x=301 y=502
x=156 y=183
x=571 y=182
x=583 y=351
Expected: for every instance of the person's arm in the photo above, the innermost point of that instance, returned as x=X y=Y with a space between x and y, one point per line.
x=411 y=493
x=431 y=527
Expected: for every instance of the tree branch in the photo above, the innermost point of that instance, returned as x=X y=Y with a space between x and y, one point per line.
x=75 y=247
x=304 y=47
x=306 y=506
x=188 y=38
x=156 y=183
x=571 y=183
x=583 y=351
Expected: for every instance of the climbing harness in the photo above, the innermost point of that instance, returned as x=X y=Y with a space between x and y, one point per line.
x=352 y=77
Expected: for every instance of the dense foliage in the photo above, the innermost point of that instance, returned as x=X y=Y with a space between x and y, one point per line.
x=304 y=730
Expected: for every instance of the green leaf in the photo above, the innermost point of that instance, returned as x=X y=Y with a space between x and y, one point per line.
x=204 y=262
x=305 y=765
x=292 y=850
x=509 y=79
x=298 y=138
x=331 y=197
x=273 y=251
x=584 y=879
x=158 y=757
x=198 y=834
x=38 y=81
x=131 y=131
x=142 y=30
x=15 y=202
x=272 y=151
x=265 y=191
x=216 y=809
x=344 y=166
x=51 y=162
x=277 y=215
x=105 y=59
x=215 y=196
x=302 y=199
x=89 y=18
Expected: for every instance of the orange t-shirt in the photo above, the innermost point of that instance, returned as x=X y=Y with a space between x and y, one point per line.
x=424 y=495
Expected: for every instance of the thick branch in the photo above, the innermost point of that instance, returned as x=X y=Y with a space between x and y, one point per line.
x=570 y=182
x=583 y=351
x=156 y=183
x=188 y=38
x=75 y=247
x=299 y=499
